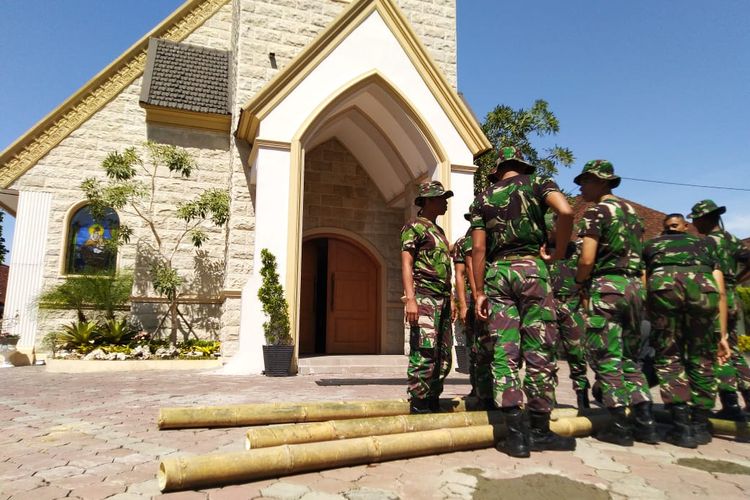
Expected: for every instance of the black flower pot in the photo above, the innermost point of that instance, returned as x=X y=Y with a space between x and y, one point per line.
x=277 y=360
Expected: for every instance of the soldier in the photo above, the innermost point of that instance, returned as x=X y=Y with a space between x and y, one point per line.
x=570 y=321
x=515 y=298
x=733 y=262
x=609 y=272
x=687 y=305
x=426 y=276
x=461 y=254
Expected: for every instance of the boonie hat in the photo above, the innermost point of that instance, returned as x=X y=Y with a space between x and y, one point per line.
x=432 y=189
x=512 y=154
x=705 y=207
x=601 y=169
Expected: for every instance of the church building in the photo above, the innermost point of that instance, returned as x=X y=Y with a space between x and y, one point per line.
x=319 y=117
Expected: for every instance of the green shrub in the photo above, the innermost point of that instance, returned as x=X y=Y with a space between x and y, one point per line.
x=79 y=335
x=116 y=331
x=271 y=295
x=743 y=342
x=100 y=292
x=743 y=294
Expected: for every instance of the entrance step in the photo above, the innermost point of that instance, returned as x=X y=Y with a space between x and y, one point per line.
x=363 y=364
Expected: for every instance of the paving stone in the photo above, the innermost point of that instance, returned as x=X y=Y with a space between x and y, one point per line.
x=370 y=494
x=96 y=492
x=183 y=495
x=44 y=493
x=285 y=491
x=150 y=487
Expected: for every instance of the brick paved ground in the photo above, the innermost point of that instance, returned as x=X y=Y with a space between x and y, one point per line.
x=94 y=436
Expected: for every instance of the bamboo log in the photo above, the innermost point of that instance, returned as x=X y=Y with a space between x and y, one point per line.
x=219 y=469
x=284 y=413
x=275 y=435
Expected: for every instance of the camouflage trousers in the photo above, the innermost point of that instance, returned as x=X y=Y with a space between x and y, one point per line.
x=479 y=361
x=521 y=328
x=684 y=312
x=430 y=343
x=734 y=374
x=612 y=340
x=571 y=327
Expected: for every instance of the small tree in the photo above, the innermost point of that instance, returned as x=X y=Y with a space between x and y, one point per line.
x=271 y=295
x=124 y=191
x=505 y=126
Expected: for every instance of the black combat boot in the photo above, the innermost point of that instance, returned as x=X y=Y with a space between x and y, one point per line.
x=644 y=425
x=681 y=433
x=434 y=404
x=582 y=399
x=596 y=393
x=541 y=438
x=730 y=407
x=516 y=442
x=701 y=425
x=618 y=431
x=746 y=396
x=487 y=404
x=419 y=406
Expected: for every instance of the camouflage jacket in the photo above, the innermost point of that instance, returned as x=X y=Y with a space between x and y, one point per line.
x=679 y=249
x=563 y=272
x=732 y=255
x=460 y=253
x=620 y=233
x=428 y=246
x=511 y=212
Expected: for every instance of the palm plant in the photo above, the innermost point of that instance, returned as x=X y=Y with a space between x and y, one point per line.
x=81 y=335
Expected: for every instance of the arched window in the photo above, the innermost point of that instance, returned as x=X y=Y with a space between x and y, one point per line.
x=86 y=252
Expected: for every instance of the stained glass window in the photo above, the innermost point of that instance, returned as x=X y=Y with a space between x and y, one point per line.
x=86 y=250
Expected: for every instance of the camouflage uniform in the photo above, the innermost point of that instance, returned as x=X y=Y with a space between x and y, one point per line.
x=570 y=319
x=615 y=307
x=522 y=322
x=683 y=303
x=732 y=254
x=430 y=340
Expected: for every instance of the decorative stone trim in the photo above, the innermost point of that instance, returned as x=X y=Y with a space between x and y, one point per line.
x=51 y=130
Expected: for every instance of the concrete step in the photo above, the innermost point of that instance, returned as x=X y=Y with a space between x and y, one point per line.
x=371 y=365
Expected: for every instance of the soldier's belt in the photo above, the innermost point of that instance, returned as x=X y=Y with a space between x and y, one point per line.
x=682 y=269
x=616 y=272
x=517 y=257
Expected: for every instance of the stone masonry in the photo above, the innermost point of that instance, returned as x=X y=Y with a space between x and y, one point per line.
x=250 y=29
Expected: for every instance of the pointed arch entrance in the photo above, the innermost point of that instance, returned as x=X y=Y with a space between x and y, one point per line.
x=340 y=304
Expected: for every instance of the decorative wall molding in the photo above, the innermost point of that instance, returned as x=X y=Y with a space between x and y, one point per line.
x=71 y=114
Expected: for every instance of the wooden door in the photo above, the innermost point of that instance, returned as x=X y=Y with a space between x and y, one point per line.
x=352 y=324
x=308 y=292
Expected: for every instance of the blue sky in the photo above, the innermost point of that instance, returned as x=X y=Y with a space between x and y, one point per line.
x=661 y=89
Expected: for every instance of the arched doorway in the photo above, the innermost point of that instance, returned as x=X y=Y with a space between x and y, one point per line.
x=339 y=299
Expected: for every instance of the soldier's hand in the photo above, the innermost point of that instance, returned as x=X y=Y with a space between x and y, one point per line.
x=481 y=307
x=454 y=311
x=545 y=255
x=463 y=311
x=411 y=312
x=723 y=353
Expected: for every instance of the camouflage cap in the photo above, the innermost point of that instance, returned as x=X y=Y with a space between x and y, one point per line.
x=432 y=189
x=705 y=207
x=601 y=169
x=507 y=155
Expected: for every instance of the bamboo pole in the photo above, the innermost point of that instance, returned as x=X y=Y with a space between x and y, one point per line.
x=275 y=435
x=285 y=413
x=225 y=468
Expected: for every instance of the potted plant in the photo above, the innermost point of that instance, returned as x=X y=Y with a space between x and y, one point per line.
x=9 y=339
x=279 y=348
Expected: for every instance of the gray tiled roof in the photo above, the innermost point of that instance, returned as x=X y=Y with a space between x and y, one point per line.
x=182 y=76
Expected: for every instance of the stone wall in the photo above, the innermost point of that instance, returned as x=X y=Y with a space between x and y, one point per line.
x=120 y=124
x=340 y=194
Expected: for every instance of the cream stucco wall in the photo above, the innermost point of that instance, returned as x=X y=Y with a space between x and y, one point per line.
x=250 y=29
